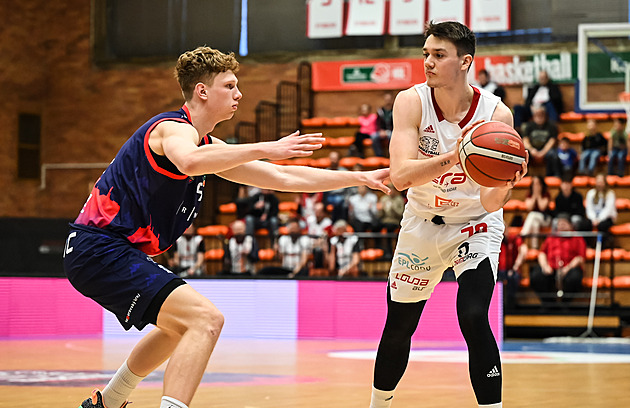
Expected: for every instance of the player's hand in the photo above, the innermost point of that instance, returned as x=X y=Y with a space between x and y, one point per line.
x=377 y=180
x=518 y=176
x=294 y=145
x=461 y=137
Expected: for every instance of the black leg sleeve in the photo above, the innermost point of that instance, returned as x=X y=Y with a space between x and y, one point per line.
x=484 y=361
x=393 y=350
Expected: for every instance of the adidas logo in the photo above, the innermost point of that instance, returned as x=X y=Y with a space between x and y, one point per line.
x=429 y=129
x=494 y=372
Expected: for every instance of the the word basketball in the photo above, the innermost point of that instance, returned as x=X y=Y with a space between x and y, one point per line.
x=491 y=153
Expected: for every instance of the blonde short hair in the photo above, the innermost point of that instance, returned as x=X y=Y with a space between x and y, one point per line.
x=201 y=64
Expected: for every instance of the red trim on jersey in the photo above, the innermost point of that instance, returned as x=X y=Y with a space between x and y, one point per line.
x=185 y=108
x=473 y=108
x=469 y=114
x=147 y=151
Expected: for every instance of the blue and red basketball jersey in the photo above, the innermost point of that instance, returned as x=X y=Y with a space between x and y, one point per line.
x=143 y=196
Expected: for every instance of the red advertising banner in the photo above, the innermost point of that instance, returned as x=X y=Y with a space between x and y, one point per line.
x=367 y=74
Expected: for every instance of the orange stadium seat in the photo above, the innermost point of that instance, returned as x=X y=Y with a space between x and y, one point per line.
x=514 y=205
x=314 y=122
x=262 y=232
x=551 y=181
x=581 y=181
x=597 y=116
x=213 y=230
x=321 y=163
x=573 y=137
x=602 y=282
x=266 y=254
x=288 y=206
x=622 y=282
x=524 y=283
x=618 y=115
x=621 y=229
x=342 y=141
x=374 y=162
x=623 y=181
x=213 y=254
x=611 y=180
x=349 y=162
x=371 y=254
x=525 y=182
x=532 y=254
x=229 y=208
x=622 y=203
x=353 y=121
x=571 y=117
x=283 y=230
x=337 y=121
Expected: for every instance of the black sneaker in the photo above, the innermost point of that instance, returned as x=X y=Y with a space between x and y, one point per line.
x=96 y=401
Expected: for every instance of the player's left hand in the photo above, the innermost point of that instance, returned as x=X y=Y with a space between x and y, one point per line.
x=377 y=180
x=518 y=176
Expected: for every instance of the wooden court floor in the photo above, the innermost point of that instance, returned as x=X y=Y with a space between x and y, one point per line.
x=250 y=373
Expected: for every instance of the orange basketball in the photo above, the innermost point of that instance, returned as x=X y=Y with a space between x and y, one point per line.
x=491 y=153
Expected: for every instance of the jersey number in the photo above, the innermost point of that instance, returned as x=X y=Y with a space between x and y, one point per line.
x=481 y=227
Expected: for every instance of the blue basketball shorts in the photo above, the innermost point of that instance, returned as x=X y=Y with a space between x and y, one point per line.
x=105 y=267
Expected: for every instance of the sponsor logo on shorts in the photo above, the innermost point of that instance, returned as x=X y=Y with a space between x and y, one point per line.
x=412 y=262
x=418 y=283
x=464 y=254
x=133 y=304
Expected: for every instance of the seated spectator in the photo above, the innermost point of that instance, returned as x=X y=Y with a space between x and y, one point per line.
x=319 y=229
x=600 y=205
x=567 y=158
x=537 y=204
x=243 y=202
x=539 y=138
x=384 y=125
x=263 y=213
x=294 y=250
x=362 y=210
x=486 y=83
x=241 y=251
x=560 y=264
x=188 y=257
x=306 y=204
x=367 y=130
x=618 y=148
x=593 y=147
x=343 y=258
x=390 y=210
x=545 y=93
x=336 y=198
x=569 y=201
x=511 y=258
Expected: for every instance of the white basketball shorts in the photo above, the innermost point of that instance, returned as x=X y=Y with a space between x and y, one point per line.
x=425 y=250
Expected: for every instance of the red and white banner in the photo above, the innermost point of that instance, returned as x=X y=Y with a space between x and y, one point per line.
x=447 y=10
x=406 y=17
x=489 y=15
x=366 y=17
x=324 y=18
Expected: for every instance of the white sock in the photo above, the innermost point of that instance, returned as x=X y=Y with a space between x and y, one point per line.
x=169 y=402
x=120 y=386
x=381 y=399
x=497 y=405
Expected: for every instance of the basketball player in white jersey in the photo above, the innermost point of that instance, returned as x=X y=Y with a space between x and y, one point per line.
x=449 y=221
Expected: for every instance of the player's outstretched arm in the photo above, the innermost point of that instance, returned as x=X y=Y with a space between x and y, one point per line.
x=178 y=141
x=406 y=170
x=304 y=179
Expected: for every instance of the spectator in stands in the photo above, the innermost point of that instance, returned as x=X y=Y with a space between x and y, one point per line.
x=539 y=137
x=243 y=202
x=188 y=257
x=569 y=201
x=367 y=130
x=545 y=93
x=362 y=210
x=560 y=263
x=537 y=204
x=600 y=205
x=306 y=204
x=593 y=147
x=567 y=158
x=618 y=148
x=336 y=198
x=511 y=258
x=390 y=210
x=485 y=82
x=263 y=213
x=343 y=258
x=384 y=125
x=319 y=229
x=294 y=250
x=241 y=251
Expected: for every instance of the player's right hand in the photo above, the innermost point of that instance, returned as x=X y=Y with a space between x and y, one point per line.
x=295 y=145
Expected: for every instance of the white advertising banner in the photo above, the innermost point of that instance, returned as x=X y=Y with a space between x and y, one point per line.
x=324 y=18
x=406 y=17
x=447 y=10
x=366 y=17
x=489 y=15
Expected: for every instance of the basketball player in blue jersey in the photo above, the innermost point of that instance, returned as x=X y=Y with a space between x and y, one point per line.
x=449 y=221
x=150 y=193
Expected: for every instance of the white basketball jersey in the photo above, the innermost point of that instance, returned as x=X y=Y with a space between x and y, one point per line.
x=452 y=194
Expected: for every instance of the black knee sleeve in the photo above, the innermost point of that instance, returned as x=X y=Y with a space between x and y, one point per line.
x=393 y=350
x=484 y=361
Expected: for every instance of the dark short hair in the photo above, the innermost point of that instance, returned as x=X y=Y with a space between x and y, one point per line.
x=460 y=35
